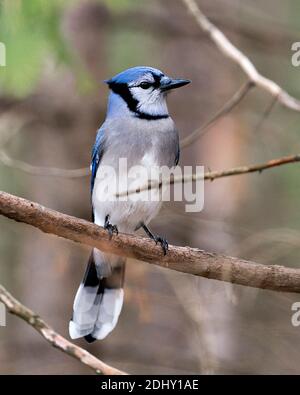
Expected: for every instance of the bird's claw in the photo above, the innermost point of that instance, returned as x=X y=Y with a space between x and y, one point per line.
x=163 y=242
x=110 y=228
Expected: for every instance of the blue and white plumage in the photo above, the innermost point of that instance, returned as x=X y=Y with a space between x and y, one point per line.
x=137 y=127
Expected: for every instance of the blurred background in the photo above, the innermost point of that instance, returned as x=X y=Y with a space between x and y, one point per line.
x=52 y=100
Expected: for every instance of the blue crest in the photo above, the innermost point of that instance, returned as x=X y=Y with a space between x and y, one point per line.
x=133 y=74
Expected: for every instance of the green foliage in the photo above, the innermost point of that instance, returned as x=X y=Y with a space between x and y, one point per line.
x=31 y=34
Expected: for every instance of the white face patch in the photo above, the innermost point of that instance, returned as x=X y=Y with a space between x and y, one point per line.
x=151 y=100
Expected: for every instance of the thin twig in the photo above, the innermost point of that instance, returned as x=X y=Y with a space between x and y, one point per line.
x=227 y=107
x=183 y=259
x=266 y=113
x=56 y=340
x=212 y=175
x=233 y=53
x=41 y=170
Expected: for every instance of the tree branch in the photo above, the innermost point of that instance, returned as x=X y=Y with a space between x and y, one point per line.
x=212 y=175
x=42 y=170
x=56 y=340
x=183 y=259
x=233 y=53
x=227 y=107
x=25 y=167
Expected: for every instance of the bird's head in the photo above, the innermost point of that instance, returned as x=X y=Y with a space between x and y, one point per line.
x=143 y=90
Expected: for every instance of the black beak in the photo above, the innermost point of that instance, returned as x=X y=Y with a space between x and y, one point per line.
x=169 y=84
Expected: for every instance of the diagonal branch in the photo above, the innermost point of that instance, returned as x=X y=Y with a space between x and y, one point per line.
x=227 y=107
x=233 y=53
x=183 y=259
x=56 y=340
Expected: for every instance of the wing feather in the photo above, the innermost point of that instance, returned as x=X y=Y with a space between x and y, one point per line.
x=97 y=153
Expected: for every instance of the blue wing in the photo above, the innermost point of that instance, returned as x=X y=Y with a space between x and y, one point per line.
x=97 y=154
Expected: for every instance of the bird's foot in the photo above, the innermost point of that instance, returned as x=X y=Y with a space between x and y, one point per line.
x=163 y=242
x=110 y=228
x=158 y=239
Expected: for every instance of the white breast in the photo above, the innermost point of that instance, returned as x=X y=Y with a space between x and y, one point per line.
x=128 y=211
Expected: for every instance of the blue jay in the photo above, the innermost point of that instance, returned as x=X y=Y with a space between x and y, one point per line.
x=137 y=127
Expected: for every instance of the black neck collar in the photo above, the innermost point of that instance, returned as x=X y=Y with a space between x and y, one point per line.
x=150 y=117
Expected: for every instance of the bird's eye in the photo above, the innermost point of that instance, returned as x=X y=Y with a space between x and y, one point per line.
x=145 y=85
